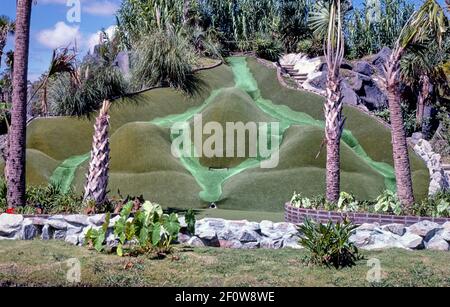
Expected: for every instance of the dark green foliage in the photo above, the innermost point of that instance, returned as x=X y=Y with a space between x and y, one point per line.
x=375 y=25
x=268 y=48
x=48 y=199
x=190 y=220
x=165 y=58
x=329 y=244
x=98 y=82
x=96 y=237
x=437 y=205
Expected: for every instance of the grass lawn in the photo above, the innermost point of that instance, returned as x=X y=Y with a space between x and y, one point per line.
x=35 y=263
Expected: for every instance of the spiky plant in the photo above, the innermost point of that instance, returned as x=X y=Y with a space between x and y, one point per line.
x=97 y=177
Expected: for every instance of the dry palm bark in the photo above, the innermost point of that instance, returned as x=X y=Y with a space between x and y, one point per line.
x=334 y=121
x=97 y=177
x=399 y=143
x=15 y=164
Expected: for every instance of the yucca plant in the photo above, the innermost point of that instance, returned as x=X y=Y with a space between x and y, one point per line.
x=97 y=177
x=329 y=243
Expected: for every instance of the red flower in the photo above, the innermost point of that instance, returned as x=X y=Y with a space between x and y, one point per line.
x=10 y=211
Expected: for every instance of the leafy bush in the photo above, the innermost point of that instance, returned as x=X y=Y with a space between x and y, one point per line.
x=329 y=244
x=165 y=58
x=50 y=199
x=190 y=220
x=388 y=202
x=436 y=206
x=268 y=48
x=96 y=237
x=310 y=46
x=148 y=230
x=347 y=203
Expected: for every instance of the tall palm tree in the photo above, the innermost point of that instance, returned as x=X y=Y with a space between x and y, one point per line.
x=423 y=70
x=15 y=164
x=428 y=22
x=326 y=22
x=334 y=121
x=6 y=27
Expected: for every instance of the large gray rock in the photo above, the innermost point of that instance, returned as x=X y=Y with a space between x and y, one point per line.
x=10 y=224
x=349 y=96
x=412 y=241
x=437 y=244
x=319 y=82
x=383 y=240
x=29 y=231
x=373 y=98
x=97 y=219
x=361 y=238
x=57 y=223
x=363 y=67
x=397 y=229
x=424 y=228
x=77 y=219
x=195 y=242
x=381 y=58
x=47 y=232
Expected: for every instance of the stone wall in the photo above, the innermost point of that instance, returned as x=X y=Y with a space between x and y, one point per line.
x=438 y=178
x=228 y=234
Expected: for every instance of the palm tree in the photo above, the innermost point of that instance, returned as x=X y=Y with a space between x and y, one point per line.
x=327 y=22
x=423 y=70
x=97 y=177
x=334 y=121
x=6 y=27
x=15 y=164
x=427 y=22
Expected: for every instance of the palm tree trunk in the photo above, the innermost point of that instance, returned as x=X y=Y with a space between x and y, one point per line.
x=334 y=121
x=399 y=143
x=422 y=99
x=333 y=130
x=17 y=135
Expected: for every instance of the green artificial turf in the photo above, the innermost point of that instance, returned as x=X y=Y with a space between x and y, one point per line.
x=141 y=146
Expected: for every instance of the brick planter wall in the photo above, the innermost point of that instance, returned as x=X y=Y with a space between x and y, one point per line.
x=298 y=215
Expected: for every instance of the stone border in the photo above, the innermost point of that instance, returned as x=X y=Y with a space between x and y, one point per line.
x=297 y=215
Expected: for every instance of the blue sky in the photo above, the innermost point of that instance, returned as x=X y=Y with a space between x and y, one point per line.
x=51 y=27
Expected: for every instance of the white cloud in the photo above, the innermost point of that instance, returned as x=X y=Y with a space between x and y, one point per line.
x=100 y=8
x=61 y=35
x=94 y=38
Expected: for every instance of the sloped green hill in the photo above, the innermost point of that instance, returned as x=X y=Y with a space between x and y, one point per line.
x=242 y=91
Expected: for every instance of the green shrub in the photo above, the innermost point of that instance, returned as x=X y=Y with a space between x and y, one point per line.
x=268 y=48
x=190 y=220
x=388 y=202
x=96 y=237
x=50 y=199
x=329 y=244
x=165 y=58
x=436 y=206
x=148 y=230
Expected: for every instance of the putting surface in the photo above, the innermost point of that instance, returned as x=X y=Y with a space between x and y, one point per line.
x=241 y=91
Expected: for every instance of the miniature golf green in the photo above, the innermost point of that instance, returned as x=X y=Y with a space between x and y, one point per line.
x=241 y=91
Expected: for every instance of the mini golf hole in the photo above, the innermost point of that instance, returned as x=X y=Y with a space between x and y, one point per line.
x=212 y=206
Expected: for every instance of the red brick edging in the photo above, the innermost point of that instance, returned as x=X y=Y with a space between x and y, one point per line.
x=298 y=215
